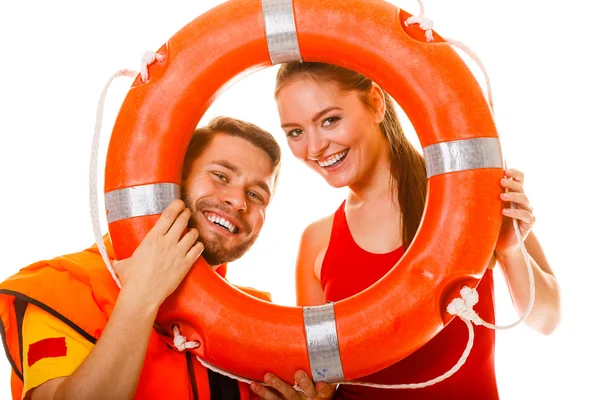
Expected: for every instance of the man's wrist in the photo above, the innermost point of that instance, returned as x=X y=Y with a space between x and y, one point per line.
x=137 y=303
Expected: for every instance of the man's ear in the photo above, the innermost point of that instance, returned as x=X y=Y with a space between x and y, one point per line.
x=377 y=100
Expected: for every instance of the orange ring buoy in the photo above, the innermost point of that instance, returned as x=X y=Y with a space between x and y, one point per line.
x=456 y=239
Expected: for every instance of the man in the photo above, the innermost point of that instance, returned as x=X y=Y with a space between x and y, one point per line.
x=70 y=334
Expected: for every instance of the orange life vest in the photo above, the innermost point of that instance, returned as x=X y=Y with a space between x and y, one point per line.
x=78 y=290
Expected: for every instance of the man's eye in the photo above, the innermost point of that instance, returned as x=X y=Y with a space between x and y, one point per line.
x=255 y=196
x=220 y=176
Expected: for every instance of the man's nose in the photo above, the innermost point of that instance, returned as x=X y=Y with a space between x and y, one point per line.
x=235 y=197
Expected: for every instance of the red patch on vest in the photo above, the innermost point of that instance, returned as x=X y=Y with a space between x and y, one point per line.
x=46 y=348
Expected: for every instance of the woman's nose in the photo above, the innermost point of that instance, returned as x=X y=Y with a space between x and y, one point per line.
x=317 y=145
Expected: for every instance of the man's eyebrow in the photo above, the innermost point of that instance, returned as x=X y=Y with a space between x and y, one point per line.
x=263 y=185
x=228 y=165
x=316 y=117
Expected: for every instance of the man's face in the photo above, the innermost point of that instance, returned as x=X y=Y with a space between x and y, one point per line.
x=228 y=189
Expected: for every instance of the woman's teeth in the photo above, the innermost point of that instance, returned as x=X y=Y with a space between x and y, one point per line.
x=335 y=159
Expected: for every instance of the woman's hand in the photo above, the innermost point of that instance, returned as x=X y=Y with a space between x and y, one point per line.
x=522 y=212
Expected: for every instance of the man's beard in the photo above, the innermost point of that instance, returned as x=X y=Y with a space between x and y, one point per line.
x=214 y=252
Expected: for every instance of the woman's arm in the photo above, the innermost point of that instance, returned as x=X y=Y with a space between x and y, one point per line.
x=545 y=314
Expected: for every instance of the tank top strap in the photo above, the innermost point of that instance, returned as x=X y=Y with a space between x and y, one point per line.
x=340 y=231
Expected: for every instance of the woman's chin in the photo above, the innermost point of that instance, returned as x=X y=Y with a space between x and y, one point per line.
x=337 y=181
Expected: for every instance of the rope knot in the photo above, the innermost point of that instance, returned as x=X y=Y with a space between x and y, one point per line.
x=180 y=342
x=297 y=388
x=148 y=58
x=463 y=307
x=424 y=23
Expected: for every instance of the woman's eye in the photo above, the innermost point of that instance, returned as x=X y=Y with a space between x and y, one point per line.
x=330 y=121
x=294 y=133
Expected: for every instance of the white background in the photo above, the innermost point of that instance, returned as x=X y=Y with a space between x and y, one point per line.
x=55 y=57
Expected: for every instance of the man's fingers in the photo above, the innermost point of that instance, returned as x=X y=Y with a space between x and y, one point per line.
x=167 y=218
x=195 y=252
x=306 y=384
x=174 y=233
x=325 y=390
x=287 y=391
x=263 y=392
x=188 y=240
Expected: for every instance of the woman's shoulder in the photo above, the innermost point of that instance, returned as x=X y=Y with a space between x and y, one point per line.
x=313 y=246
x=316 y=235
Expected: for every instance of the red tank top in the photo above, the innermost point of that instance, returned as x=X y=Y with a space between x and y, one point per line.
x=348 y=269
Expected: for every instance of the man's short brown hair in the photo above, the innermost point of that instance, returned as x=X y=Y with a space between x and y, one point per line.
x=232 y=127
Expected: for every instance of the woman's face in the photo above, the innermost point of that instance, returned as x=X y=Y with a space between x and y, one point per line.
x=331 y=130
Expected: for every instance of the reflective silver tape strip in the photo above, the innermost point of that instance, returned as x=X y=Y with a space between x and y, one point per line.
x=281 y=31
x=138 y=201
x=322 y=341
x=461 y=155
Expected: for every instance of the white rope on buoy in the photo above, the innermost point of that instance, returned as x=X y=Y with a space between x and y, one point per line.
x=147 y=59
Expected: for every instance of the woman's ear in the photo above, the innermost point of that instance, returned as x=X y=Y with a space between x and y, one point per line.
x=377 y=100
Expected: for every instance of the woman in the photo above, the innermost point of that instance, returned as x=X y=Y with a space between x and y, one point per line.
x=344 y=126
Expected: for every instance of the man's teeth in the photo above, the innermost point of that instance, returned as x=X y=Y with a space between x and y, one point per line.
x=223 y=222
x=333 y=159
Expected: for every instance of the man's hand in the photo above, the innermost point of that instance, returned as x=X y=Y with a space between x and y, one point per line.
x=162 y=259
x=279 y=390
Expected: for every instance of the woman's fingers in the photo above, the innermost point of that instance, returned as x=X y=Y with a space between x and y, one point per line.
x=515 y=174
x=520 y=214
x=512 y=185
x=520 y=200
